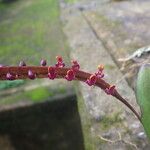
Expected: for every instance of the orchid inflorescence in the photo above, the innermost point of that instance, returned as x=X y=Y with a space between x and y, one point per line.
x=60 y=71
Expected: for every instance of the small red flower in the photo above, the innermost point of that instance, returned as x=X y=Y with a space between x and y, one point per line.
x=110 y=90
x=92 y=80
x=59 y=58
x=75 y=65
x=51 y=73
x=60 y=62
x=70 y=75
x=100 y=73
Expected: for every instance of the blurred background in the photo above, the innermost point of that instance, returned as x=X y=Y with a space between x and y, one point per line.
x=57 y=115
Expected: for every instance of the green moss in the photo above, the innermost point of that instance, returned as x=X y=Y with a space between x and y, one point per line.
x=10 y=84
x=118 y=0
x=33 y=96
x=106 y=21
x=111 y=120
x=71 y=1
x=109 y=67
x=62 y=90
x=8 y=100
x=39 y=94
x=32 y=30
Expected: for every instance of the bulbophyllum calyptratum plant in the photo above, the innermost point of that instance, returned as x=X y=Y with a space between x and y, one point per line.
x=59 y=70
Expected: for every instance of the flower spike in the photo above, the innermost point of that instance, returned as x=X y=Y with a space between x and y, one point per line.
x=59 y=71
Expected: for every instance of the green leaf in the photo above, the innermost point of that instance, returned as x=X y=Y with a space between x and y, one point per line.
x=143 y=96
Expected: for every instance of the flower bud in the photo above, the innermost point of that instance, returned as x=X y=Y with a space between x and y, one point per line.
x=22 y=63
x=31 y=75
x=43 y=62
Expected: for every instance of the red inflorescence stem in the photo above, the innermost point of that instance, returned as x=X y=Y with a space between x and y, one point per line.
x=51 y=72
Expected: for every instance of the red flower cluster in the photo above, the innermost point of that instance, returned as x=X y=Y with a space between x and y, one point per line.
x=93 y=78
x=70 y=74
x=99 y=74
x=59 y=71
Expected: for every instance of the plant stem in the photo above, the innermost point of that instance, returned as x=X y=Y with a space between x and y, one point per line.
x=42 y=72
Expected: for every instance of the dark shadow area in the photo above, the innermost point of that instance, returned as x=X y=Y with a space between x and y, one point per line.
x=51 y=125
x=8 y=1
